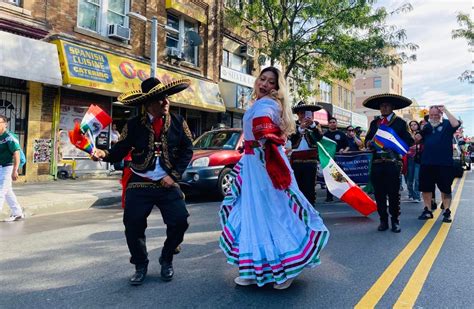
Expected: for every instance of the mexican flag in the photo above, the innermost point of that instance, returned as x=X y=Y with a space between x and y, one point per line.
x=339 y=184
x=95 y=120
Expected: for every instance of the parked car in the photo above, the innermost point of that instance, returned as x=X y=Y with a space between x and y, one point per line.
x=215 y=154
x=459 y=157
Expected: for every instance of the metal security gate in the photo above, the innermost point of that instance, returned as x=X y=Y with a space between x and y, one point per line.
x=14 y=105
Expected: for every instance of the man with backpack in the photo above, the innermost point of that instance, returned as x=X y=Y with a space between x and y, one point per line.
x=9 y=164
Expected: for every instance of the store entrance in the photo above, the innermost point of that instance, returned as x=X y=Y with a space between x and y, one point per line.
x=121 y=114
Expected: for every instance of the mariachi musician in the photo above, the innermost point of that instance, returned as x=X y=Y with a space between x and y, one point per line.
x=386 y=163
x=304 y=149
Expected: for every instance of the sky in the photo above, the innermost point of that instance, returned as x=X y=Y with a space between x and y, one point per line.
x=433 y=78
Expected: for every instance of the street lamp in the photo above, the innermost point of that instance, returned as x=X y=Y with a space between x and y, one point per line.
x=154 y=43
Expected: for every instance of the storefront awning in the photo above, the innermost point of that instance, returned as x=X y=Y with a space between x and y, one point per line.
x=29 y=59
x=96 y=71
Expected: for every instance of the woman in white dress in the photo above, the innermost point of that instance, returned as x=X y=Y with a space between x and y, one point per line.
x=270 y=231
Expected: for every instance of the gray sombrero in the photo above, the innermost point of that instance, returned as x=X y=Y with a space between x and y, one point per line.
x=303 y=106
x=153 y=88
x=397 y=101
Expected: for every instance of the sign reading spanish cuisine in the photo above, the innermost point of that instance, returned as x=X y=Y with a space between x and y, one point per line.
x=87 y=63
x=90 y=68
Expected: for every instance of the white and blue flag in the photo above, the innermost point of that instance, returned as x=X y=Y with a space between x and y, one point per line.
x=386 y=138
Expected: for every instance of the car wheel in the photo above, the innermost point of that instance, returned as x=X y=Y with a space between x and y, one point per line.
x=225 y=181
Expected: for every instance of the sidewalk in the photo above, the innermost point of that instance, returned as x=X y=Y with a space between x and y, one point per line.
x=64 y=195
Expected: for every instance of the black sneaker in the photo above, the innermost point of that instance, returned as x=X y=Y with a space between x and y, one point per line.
x=426 y=214
x=433 y=205
x=447 y=216
x=441 y=206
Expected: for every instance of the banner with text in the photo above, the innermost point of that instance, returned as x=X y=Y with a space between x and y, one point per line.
x=356 y=165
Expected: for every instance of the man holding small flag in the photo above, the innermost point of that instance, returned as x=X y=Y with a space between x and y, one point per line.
x=160 y=144
x=389 y=138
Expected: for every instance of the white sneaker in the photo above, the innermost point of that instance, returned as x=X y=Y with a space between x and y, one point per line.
x=283 y=285
x=244 y=282
x=13 y=218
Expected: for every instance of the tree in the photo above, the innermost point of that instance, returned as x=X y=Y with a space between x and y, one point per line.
x=324 y=39
x=467 y=33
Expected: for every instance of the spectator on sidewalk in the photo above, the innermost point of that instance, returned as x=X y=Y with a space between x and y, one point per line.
x=9 y=164
x=341 y=144
x=161 y=148
x=413 y=164
x=437 y=159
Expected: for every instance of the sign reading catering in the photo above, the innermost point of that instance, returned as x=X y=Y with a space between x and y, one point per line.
x=87 y=63
x=237 y=77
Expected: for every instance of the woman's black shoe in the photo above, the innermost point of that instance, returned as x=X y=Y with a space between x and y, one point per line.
x=447 y=216
x=433 y=205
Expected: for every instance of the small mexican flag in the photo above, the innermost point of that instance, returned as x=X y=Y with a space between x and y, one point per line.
x=95 y=120
x=339 y=184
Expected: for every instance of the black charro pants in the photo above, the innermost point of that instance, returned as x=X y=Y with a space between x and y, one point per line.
x=305 y=174
x=385 y=177
x=139 y=202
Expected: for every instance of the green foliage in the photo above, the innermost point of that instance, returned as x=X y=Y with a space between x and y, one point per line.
x=324 y=39
x=466 y=32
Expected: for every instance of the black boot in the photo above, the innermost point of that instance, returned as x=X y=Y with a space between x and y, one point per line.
x=395 y=226
x=167 y=271
x=383 y=225
x=426 y=214
x=140 y=274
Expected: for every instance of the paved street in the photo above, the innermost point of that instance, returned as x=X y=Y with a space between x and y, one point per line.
x=79 y=259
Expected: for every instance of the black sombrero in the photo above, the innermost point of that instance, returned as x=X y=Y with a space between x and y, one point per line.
x=152 y=88
x=303 y=106
x=396 y=100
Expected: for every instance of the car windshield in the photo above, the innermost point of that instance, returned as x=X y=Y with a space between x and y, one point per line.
x=217 y=140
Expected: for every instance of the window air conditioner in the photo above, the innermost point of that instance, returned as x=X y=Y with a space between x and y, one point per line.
x=175 y=53
x=247 y=51
x=118 y=32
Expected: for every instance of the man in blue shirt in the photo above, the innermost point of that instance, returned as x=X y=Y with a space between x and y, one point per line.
x=437 y=159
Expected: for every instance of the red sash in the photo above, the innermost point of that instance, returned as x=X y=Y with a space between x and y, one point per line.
x=264 y=128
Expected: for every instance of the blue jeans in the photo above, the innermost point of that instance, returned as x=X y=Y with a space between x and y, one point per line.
x=413 y=172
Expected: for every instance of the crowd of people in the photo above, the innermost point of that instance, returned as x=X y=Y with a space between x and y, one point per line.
x=271 y=229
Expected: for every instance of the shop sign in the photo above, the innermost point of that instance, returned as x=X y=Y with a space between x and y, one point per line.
x=343 y=116
x=321 y=116
x=237 y=77
x=29 y=59
x=359 y=120
x=90 y=68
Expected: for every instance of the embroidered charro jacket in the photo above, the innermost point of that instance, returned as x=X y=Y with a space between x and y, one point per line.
x=311 y=135
x=399 y=126
x=174 y=147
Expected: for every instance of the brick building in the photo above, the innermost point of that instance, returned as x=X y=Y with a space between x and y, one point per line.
x=100 y=52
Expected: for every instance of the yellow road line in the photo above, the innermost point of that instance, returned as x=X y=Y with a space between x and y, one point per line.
x=378 y=289
x=413 y=288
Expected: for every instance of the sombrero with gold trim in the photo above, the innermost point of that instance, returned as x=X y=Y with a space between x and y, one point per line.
x=303 y=106
x=396 y=100
x=153 y=88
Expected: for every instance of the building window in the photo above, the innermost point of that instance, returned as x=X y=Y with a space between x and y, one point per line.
x=392 y=83
x=340 y=97
x=347 y=99
x=235 y=62
x=15 y=2
x=377 y=82
x=96 y=15
x=176 y=28
x=326 y=91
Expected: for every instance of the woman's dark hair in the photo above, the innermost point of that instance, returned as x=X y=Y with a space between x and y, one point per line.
x=417 y=123
x=274 y=71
